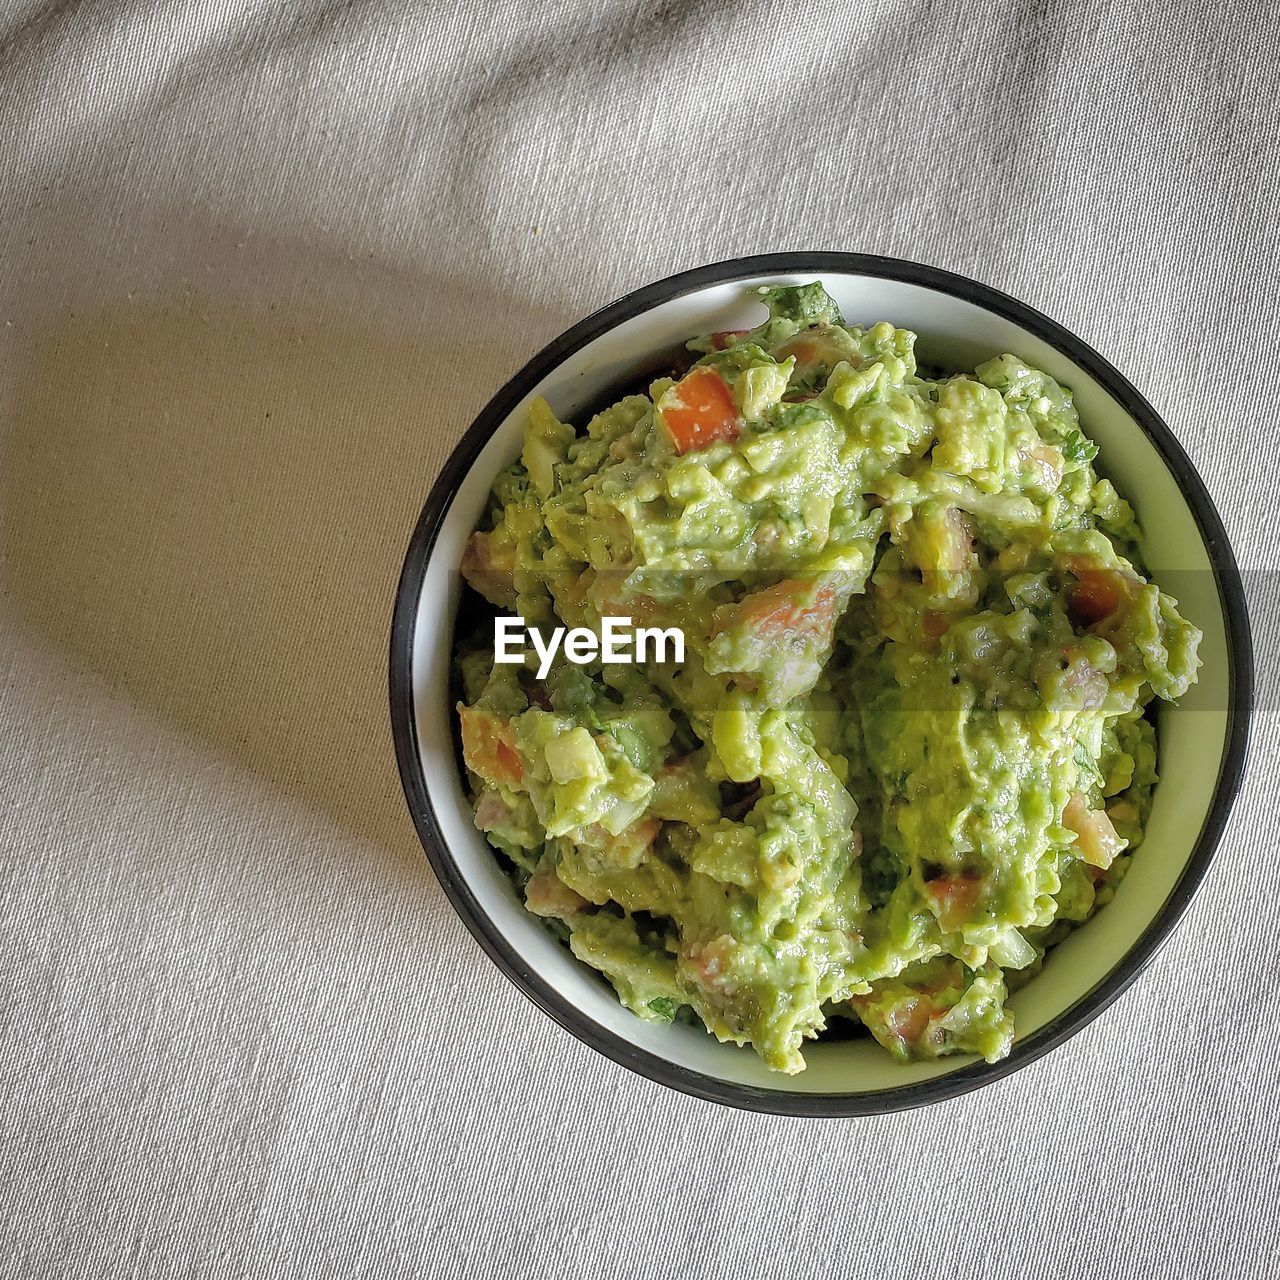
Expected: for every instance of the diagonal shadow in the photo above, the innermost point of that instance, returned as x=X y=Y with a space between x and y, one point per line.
x=207 y=494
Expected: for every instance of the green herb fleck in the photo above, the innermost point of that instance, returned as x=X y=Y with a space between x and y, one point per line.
x=1076 y=448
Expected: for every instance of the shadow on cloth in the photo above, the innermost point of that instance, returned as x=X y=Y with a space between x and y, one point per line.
x=208 y=491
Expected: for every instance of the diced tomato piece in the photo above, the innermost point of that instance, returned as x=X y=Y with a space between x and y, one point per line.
x=935 y=625
x=806 y=350
x=908 y=1020
x=954 y=898
x=1045 y=461
x=509 y=761
x=789 y=610
x=710 y=963
x=547 y=895
x=700 y=410
x=1096 y=837
x=1095 y=596
x=1099 y=591
x=489 y=746
x=491 y=573
x=640 y=835
x=637 y=840
x=629 y=847
x=725 y=337
x=644 y=832
x=819 y=347
x=490 y=811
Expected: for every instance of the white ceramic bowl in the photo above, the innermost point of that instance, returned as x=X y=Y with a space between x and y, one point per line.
x=1203 y=741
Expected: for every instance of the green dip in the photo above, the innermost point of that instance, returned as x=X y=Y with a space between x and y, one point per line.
x=906 y=751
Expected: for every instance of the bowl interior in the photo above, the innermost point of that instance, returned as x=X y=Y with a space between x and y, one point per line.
x=954 y=332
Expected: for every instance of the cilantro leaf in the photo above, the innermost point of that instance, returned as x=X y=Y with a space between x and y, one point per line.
x=804 y=303
x=1077 y=448
x=1088 y=765
x=787 y=415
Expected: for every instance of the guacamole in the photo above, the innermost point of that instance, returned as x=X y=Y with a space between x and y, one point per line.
x=907 y=748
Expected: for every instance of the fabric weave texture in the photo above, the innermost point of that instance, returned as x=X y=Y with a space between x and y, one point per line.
x=261 y=262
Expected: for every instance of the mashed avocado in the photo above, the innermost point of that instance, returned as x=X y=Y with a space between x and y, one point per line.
x=907 y=748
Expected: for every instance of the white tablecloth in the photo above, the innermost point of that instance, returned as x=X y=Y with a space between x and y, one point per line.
x=260 y=263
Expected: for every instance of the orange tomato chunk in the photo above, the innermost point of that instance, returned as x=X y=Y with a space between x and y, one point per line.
x=955 y=898
x=699 y=410
x=788 y=610
x=489 y=746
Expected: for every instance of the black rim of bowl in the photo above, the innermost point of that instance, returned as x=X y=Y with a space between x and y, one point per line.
x=651 y=1066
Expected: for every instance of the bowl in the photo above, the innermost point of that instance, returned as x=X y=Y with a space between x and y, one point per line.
x=1203 y=741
